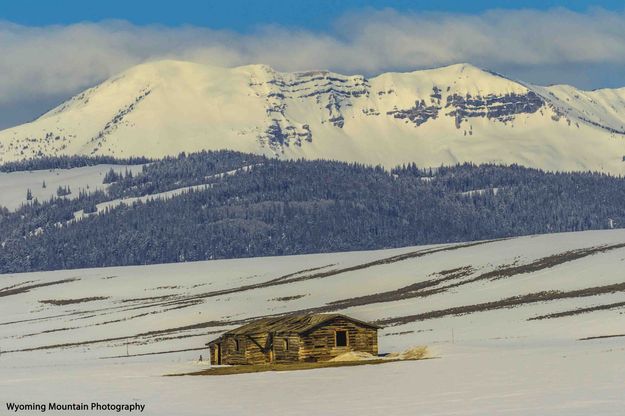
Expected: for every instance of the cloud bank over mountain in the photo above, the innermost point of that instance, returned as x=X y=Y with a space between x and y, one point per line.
x=44 y=65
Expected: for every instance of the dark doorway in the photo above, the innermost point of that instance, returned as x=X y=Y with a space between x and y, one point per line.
x=341 y=338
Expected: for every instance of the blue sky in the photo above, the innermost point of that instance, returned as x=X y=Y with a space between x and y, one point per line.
x=52 y=50
x=241 y=15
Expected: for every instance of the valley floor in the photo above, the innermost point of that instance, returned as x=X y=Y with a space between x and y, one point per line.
x=505 y=317
x=494 y=378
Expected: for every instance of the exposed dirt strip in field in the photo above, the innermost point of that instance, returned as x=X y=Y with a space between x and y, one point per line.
x=4 y=289
x=283 y=280
x=24 y=289
x=419 y=289
x=579 y=311
x=202 y=325
x=95 y=312
x=448 y=279
x=545 y=296
x=505 y=303
x=544 y=263
x=183 y=301
x=457 y=278
x=63 y=302
x=314 y=269
x=602 y=337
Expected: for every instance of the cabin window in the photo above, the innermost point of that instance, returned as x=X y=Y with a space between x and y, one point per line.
x=341 y=338
x=286 y=344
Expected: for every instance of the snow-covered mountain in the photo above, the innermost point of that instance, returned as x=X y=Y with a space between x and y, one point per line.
x=431 y=117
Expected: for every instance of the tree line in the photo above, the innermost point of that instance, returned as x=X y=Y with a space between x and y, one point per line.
x=269 y=207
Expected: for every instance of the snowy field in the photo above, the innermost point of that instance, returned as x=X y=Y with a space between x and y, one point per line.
x=505 y=320
x=14 y=185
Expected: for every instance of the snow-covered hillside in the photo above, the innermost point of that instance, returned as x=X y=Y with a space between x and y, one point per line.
x=431 y=117
x=519 y=324
x=43 y=184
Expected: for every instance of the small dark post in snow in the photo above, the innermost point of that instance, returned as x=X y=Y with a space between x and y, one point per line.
x=127 y=353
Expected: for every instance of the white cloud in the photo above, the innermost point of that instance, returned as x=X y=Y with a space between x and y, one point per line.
x=587 y=49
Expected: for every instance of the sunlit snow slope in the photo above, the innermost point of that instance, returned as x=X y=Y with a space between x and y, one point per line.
x=431 y=117
x=529 y=325
x=43 y=184
x=558 y=286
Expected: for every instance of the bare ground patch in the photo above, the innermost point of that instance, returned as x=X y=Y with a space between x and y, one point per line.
x=135 y=338
x=545 y=296
x=289 y=298
x=579 y=311
x=16 y=290
x=62 y=302
x=602 y=337
x=460 y=276
x=4 y=289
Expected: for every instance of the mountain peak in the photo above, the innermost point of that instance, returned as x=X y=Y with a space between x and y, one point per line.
x=461 y=67
x=167 y=68
x=431 y=117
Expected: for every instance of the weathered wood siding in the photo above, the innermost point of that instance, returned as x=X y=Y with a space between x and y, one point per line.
x=213 y=352
x=320 y=344
x=253 y=353
x=229 y=353
x=249 y=352
x=284 y=354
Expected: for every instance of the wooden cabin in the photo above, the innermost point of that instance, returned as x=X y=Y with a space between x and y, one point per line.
x=292 y=338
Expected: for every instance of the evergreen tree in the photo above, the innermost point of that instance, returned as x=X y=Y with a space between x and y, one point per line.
x=111 y=176
x=63 y=191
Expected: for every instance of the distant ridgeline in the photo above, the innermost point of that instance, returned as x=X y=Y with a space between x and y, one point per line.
x=255 y=206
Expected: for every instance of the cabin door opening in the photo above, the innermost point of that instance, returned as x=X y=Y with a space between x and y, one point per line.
x=341 y=338
x=218 y=354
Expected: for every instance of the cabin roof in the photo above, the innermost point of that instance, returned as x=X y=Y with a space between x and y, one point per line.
x=299 y=324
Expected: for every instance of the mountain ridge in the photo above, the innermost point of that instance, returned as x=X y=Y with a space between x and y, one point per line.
x=442 y=116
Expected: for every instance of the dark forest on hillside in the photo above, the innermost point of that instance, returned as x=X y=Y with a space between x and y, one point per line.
x=275 y=207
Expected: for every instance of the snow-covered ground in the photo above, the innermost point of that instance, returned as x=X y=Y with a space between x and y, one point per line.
x=564 y=380
x=14 y=185
x=471 y=303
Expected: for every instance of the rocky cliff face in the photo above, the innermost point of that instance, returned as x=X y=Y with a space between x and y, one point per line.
x=335 y=95
x=432 y=117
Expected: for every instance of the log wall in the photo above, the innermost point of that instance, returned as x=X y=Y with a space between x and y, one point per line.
x=320 y=344
x=282 y=354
